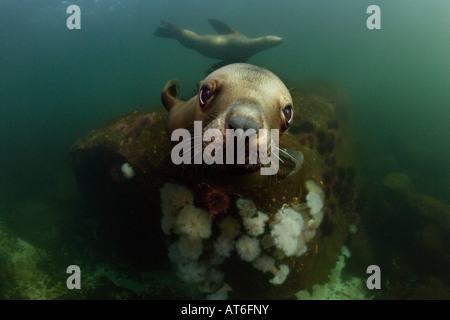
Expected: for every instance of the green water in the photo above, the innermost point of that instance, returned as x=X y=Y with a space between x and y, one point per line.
x=57 y=84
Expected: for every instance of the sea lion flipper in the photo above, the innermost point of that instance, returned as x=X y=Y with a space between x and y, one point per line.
x=218 y=65
x=167 y=30
x=170 y=94
x=291 y=162
x=221 y=28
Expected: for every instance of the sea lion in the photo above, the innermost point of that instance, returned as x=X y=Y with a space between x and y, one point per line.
x=237 y=96
x=228 y=45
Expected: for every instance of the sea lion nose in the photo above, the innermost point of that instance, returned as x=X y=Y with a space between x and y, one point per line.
x=244 y=123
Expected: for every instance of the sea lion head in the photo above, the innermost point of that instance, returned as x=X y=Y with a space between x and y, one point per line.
x=238 y=97
x=268 y=42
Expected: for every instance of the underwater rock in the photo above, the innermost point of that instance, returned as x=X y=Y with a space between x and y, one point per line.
x=433 y=239
x=432 y=209
x=399 y=182
x=215 y=241
x=24 y=273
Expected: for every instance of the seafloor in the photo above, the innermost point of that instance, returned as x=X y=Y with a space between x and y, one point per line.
x=110 y=226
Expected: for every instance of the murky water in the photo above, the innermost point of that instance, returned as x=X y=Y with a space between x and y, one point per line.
x=58 y=84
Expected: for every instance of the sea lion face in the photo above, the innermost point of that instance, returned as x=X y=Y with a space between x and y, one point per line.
x=243 y=96
x=271 y=41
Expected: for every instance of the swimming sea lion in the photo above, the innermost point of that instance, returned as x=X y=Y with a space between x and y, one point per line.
x=237 y=96
x=228 y=45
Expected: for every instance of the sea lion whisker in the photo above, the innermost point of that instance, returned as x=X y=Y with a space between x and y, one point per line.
x=182 y=144
x=284 y=152
x=276 y=154
x=297 y=159
x=196 y=149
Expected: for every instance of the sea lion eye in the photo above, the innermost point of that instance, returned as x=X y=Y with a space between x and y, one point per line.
x=288 y=112
x=205 y=94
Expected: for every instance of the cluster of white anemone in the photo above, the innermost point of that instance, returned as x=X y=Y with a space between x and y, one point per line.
x=287 y=230
x=314 y=198
x=290 y=230
x=248 y=245
x=193 y=226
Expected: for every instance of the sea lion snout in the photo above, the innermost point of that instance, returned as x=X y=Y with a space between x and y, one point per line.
x=244 y=116
x=241 y=122
x=275 y=39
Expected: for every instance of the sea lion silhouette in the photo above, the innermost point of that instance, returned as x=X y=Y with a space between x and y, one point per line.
x=228 y=45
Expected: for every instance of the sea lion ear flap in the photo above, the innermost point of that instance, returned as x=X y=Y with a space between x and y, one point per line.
x=221 y=28
x=170 y=94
